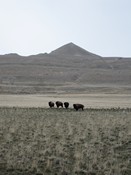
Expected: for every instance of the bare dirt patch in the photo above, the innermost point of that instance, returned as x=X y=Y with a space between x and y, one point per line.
x=89 y=100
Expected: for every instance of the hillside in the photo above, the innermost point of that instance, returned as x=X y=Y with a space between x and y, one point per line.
x=68 y=69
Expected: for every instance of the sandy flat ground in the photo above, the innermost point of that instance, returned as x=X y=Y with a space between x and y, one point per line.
x=89 y=100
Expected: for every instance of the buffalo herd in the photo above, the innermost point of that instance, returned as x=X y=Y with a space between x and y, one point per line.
x=66 y=105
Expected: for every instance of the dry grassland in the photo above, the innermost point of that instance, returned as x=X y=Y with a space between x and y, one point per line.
x=89 y=100
x=41 y=141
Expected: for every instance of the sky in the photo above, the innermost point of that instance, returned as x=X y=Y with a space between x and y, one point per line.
x=29 y=27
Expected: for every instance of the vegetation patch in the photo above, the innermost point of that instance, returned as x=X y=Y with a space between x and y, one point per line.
x=38 y=141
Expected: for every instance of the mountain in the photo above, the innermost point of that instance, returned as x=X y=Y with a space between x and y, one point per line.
x=72 y=49
x=68 y=69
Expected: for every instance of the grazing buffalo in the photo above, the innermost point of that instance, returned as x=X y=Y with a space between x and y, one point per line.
x=78 y=106
x=66 y=104
x=51 y=104
x=59 y=103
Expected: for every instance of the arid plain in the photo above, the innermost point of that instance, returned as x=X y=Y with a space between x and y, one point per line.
x=37 y=140
x=89 y=100
x=68 y=73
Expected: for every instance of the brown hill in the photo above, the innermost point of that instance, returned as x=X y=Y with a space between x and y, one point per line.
x=68 y=69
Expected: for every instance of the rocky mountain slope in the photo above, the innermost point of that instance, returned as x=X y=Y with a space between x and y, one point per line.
x=68 y=69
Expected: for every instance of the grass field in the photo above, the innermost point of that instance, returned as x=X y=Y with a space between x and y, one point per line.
x=40 y=141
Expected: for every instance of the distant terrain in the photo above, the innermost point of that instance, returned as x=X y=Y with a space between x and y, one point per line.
x=95 y=101
x=68 y=69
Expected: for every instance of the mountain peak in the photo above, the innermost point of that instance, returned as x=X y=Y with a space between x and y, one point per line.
x=71 y=44
x=70 y=49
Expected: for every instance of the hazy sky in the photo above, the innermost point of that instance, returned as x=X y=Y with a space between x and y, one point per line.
x=37 y=26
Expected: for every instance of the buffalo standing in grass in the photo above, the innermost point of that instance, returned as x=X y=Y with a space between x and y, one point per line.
x=51 y=104
x=78 y=106
x=59 y=103
x=66 y=104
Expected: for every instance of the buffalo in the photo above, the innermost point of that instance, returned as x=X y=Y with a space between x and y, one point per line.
x=78 y=106
x=51 y=104
x=66 y=104
x=59 y=103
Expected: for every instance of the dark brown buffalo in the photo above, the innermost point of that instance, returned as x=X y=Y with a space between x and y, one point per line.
x=78 y=106
x=66 y=104
x=51 y=104
x=59 y=103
